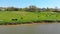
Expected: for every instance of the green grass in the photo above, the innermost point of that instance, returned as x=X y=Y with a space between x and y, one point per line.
x=7 y=16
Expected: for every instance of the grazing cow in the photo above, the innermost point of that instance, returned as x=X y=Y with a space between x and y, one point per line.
x=14 y=19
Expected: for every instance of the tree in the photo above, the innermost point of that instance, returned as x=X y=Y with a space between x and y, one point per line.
x=12 y=9
x=33 y=8
x=43 y=9
x=20 y=9
x=48 y=9
x=26 y=9
x=56 y=9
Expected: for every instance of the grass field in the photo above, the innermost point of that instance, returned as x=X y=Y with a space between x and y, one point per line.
x=21 y=16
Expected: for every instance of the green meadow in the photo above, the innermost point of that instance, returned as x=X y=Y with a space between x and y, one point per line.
x=24 y=17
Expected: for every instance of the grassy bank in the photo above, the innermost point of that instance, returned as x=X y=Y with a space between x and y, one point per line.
x=21 y=17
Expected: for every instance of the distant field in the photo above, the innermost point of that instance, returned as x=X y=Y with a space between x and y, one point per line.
x=22 y=16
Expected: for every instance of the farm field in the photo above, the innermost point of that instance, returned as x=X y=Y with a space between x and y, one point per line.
x=24 y=17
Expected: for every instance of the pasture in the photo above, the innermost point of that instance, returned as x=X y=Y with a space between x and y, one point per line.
x=24 y=17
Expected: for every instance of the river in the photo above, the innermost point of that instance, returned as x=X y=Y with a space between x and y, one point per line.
x=31 y=29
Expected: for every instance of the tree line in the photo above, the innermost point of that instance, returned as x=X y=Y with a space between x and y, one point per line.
x=30 y=8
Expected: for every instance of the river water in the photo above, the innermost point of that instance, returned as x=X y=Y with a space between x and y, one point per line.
x=31 y=29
